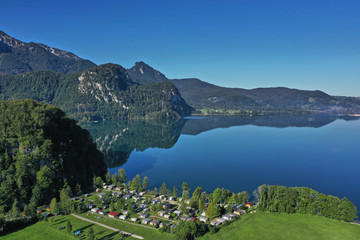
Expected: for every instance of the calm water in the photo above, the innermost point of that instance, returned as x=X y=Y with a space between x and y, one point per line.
x=321 y=152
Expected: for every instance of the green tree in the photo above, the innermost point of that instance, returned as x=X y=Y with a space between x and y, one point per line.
x=54 y=206
x=163 y=189
x=65 y=201
x=217 y=195
x=112 y=206
x=14 y=212
x=29 y=210
x=122 y=175
x=185 y=191
x=145 y=184
x=175 y=191
x=98 y=182
x=213 y=210
x=136 y=183
x=108 y=178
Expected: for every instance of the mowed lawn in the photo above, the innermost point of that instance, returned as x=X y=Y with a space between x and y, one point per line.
x=286 y=226
x=50 y=230
x=146 y=233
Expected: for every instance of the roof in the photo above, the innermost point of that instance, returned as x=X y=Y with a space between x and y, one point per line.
x=113 y=213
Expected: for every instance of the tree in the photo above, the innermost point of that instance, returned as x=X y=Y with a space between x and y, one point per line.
x=217 y=195
x=185 y=193
x=145 y=184
x=163 y=189
x=122 y=175
x=136 y=183
x=29 y=210
x=175 y=192
x=14 y=212
x=54 y=206
x=194 y=201
x=98 y=182
x=68 y=226
x=112 y=206
x=108 y=178
x=213 y=210
x=65 y=201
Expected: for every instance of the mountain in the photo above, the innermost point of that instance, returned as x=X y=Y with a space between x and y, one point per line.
x=19 y=57
x=101 y=93
x=209 y=98
x=41 y=150
x=143 y=73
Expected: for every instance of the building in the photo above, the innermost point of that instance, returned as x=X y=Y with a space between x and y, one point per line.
x=239 y=211
x=155 y=223
x=203 y=219
x=95 y=210
x=227 y=217
x=249 y=204
x=122 y=217
x=145 y=221
x=113 y=214
x=183 y=218
x=133 y=219
x=167 y=216
x=161 y=213
x=144 y=215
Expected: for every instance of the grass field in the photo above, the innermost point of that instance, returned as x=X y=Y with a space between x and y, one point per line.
x=50 y=230
x=144 y=232
x=286 y=226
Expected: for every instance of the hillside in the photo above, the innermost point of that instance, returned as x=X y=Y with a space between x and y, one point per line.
x=100 y=93
x=202 y=95
x=40 y=149
x=286 y=226
x=19 y=57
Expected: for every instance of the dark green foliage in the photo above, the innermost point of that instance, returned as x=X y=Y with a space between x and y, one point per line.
x=104 y=92
x=305 y=200
x=189 y=230
x=40 y=148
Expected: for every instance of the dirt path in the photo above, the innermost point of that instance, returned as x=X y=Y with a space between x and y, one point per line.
x=108 y=227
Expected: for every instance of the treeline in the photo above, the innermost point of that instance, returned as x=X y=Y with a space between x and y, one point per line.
x=306 y=201
x=42 y=151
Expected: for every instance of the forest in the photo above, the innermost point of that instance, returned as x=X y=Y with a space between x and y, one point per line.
x=42 y=151
x=306 y=201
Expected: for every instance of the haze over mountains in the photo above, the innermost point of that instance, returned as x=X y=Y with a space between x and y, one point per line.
x=90 y=92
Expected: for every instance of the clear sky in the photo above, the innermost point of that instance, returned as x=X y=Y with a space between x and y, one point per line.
x=305 y=44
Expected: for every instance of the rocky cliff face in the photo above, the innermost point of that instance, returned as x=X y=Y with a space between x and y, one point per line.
x=105 y=82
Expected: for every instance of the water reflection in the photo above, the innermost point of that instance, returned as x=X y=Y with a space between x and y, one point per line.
x=117 y=140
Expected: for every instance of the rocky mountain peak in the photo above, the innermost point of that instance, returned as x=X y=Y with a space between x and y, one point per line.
x=143 y=73
x=10 y=41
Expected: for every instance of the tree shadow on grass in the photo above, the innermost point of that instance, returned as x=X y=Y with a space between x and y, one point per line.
x=84 y=227
x=109 y=236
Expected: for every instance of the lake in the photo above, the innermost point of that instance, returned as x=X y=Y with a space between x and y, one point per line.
x=238 y=153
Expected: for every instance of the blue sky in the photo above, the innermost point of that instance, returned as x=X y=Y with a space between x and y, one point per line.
x=305 y=44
